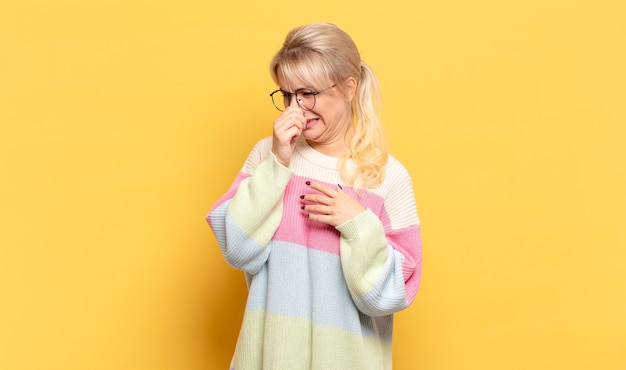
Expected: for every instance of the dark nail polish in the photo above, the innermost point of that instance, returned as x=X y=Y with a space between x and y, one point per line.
x=301 y=196
x=302 y=207
x=308 y=182
x=340 y=187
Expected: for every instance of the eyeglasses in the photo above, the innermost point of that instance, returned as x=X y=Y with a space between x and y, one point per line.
x=305 y=98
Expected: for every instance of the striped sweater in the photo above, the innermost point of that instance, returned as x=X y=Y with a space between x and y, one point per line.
x=320 y=297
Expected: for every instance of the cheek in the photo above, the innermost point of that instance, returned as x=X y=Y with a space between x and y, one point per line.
x=332 y=113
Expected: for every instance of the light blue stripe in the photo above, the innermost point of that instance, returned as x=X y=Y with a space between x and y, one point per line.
x=388 y=295
x=309 y=283
x=218 y=223
x=239 y=250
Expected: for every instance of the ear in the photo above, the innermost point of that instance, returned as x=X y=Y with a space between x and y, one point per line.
x=351 y=85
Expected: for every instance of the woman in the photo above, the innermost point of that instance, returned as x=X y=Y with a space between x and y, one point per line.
x=321 y=218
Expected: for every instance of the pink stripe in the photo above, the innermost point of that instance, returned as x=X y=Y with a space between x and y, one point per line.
x=297 y=228
x=401 y=239
x=229 y=194
x=412 y=266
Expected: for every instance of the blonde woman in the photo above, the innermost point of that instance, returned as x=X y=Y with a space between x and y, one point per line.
x=321 y=218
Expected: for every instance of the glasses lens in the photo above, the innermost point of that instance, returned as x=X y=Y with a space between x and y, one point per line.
x=286 y=99
x=305 y=99
x=280 y=100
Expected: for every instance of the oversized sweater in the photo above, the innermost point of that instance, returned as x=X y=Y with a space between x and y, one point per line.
x=320 y=297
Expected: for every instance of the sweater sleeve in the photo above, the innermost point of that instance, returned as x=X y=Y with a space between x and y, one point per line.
x=246 y=217
x=382 y=259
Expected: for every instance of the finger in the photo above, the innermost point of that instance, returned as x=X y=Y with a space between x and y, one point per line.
x=296 y=133
x=288 y=124
x=327 y=219
x=290 y=114
x=288 y=130
x=298 y=126
x=294 y=124
x=317 y=199
x=324 y=189
x=317 y=209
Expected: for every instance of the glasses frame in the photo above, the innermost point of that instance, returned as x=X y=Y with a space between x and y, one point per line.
x=288 y=95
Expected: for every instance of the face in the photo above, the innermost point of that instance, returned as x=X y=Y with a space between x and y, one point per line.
x=329 y=124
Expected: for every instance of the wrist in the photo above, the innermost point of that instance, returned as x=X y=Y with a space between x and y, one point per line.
x=279 y=160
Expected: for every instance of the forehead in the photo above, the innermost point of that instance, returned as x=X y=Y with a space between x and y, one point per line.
x=297 y=84
x=292 y=86
x=293 y=77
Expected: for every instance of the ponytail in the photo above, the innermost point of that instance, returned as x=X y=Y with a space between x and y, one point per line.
x=368 y=149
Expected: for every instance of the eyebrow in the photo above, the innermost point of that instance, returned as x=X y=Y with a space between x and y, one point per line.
x=300 y=88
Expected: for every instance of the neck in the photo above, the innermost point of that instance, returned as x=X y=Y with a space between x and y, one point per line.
x=338 y=147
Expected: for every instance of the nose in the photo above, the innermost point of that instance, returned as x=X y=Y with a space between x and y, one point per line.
x=294 y=98
x=289 y=99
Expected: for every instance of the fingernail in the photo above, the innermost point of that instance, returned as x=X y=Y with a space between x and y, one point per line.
x=302 y=208
x=308 y=182
x=308 y=215
x=301 y=196
x=340 y=187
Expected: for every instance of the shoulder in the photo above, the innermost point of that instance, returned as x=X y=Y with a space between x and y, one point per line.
x=396 y=172
x=263 y=147
x=399 y=195
x=258 y=154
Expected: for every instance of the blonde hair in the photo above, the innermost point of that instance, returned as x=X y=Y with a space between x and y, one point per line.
x=318 y=53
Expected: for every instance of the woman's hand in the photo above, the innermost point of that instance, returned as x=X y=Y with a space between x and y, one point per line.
x=287 y=128
x=333 y=206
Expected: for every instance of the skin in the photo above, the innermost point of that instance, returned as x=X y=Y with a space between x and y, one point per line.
x=328 y=129
x=332 y=206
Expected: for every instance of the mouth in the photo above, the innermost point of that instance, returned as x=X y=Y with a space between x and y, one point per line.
x=311 y=122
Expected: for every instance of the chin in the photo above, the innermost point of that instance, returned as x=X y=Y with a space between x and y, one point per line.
x=310 y=134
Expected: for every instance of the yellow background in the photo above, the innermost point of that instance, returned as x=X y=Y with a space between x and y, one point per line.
x=122 y=122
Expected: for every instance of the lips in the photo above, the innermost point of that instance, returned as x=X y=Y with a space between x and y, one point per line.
x=311 y=122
